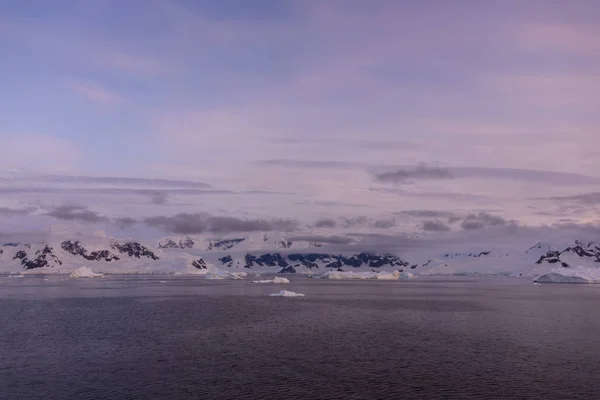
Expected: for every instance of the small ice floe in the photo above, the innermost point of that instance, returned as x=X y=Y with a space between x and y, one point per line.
x=286 y=293
x=84 y=272
x=277 y=279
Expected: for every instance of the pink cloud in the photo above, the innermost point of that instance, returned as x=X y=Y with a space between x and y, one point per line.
x=95 y=93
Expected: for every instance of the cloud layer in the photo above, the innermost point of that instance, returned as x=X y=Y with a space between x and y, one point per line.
x=200 y=223
x=488 y=118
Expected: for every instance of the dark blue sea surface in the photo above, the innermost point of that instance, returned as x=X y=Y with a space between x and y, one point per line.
x=157 y=337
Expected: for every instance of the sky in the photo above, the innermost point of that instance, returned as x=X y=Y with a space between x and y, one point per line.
x=193 y=116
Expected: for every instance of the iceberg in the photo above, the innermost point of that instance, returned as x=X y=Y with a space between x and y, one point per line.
x=277 y=279
x=84 y=272
x=570 y=275
x=362 y=275
x=407 y=275
x=286 y=293
x=219 y=274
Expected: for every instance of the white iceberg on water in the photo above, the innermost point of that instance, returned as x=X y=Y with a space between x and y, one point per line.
x=570 y=275
x=84 y=272
x=219 y=274
x=286 y=293
x=277 y=279
x=407 y=275
x=388 y=276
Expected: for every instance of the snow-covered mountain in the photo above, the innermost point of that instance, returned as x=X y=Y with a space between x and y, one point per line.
x=276 y=253
x=103 y=254
x=255 y=242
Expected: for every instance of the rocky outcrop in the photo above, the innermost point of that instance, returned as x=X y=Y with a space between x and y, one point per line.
x=290 y=262
x=224 y=244
x=185 y=243
x=199 y=264
x=77 y=249
x=44 y=257
x=134 y=249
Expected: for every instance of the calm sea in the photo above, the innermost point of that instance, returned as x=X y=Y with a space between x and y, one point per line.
x=187 y=338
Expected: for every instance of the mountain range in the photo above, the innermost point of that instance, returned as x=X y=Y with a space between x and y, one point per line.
x=273 y=252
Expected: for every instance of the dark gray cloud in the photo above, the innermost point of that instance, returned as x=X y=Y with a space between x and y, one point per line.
x=362 y=221
x=454 y=218
x=353 y=222
x=111 y=191
x=74 y=213
x=393 y=243
x=325 y=223
x=427 y=213
x=525 y=175
x=159 y=197
x=125 y=222
x=109 y=180
x=435 y=226
x=324 y=164
x=322 y=239
x=15 y=212
x=482 y=220
x=584 y=198
x=184 y=223
x=407 y=175
x=329 y=204
x=384 y=223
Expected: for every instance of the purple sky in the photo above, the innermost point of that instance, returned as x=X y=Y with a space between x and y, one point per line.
x=301 y=109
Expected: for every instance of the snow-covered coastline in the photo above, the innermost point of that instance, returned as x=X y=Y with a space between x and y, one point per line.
x=237 y=258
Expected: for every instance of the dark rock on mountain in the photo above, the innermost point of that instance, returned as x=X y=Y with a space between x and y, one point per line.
x=312 y=260
x=285 y=244
x=270 y=260
x=169 y=244
x=186 y=243
x=474 y=255
x=199 y=263
x=77 y=249
x=590 y=250
x=288 y=270
x=43 y=258
x=224 y=244
x=134 y=249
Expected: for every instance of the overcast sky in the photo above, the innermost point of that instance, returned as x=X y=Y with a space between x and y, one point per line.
x=426 y=116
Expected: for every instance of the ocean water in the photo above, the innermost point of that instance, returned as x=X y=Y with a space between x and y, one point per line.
x=188 y=338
